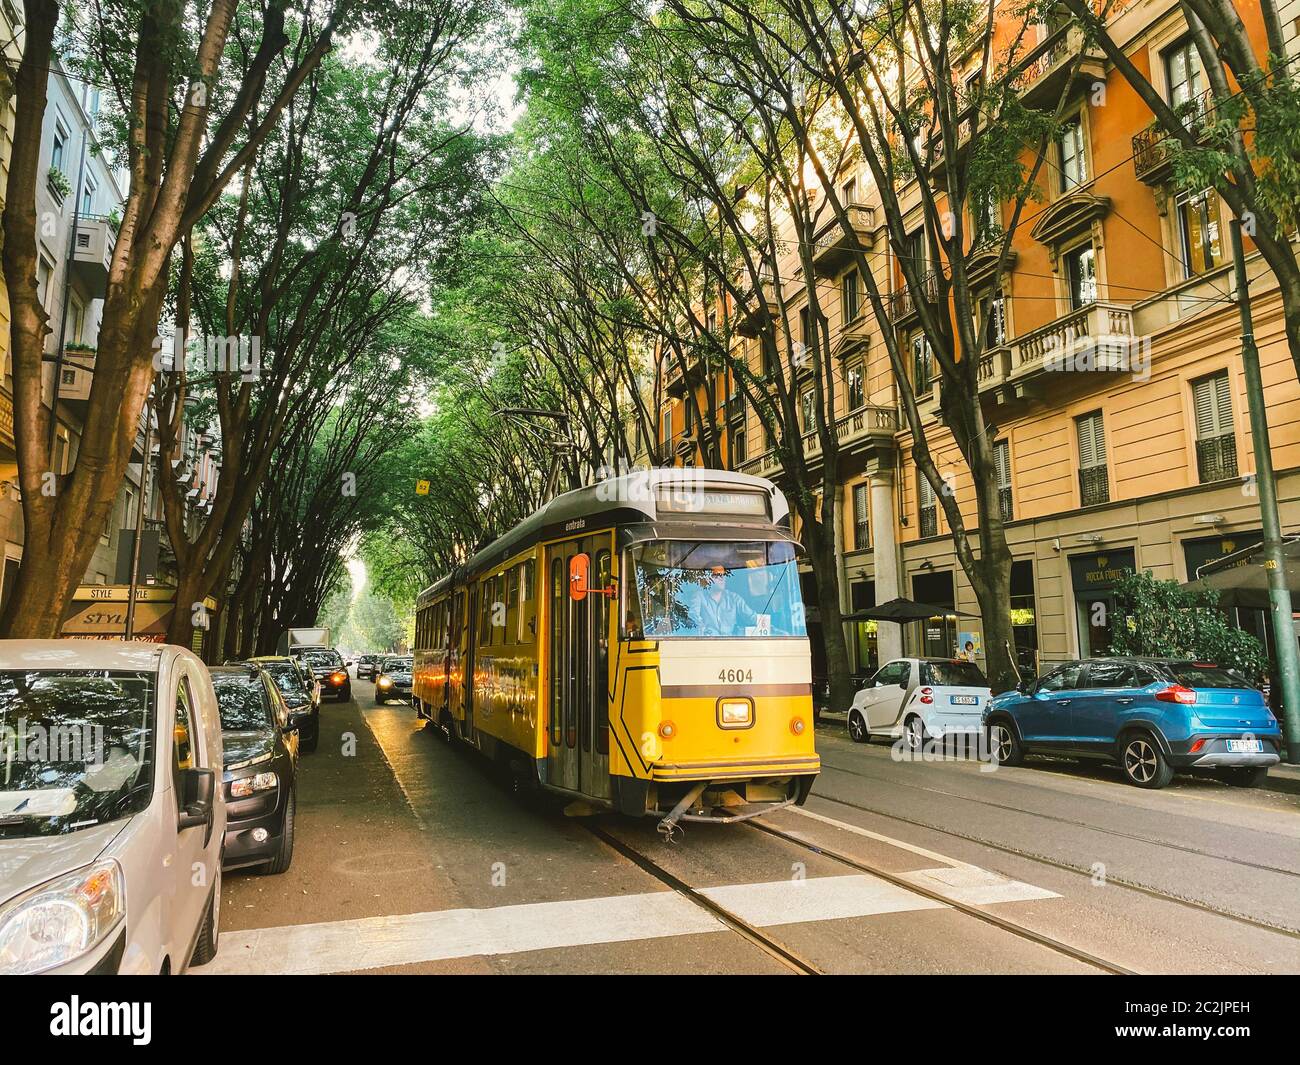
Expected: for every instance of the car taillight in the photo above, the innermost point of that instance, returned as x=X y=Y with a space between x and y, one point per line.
x=1176 y=693
x=1197 y=745
x=927 y=695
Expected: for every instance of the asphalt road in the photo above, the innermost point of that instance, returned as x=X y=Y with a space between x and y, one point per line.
x=415 y=857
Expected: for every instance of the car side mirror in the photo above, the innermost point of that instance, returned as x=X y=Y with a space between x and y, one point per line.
x=198 y=789
x=868 y=682
x=1025 y=687
x=299 y=716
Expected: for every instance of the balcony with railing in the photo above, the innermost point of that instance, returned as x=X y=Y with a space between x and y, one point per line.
x=1098 y=336
x=903 y=303
x=1062 y=55
x=92 y=253
x=862 y=431
x=1005 y=507
x=834 y=247
x=1094 y=486
x=1216 y=458
x=1153 y=148
x=929 y=521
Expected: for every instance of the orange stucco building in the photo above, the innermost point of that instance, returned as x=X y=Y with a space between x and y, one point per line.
x=1143 y=461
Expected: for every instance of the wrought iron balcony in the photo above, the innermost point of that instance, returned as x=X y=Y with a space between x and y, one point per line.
x=1094 y=486
x=1216 y=458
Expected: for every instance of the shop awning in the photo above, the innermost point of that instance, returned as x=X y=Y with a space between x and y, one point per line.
x=1241 y=579
x=906 y=610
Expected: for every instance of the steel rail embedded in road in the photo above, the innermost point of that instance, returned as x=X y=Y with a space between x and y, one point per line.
x=754 y=934
x=1059 y=820
x=994 y=919
x=1078 y=870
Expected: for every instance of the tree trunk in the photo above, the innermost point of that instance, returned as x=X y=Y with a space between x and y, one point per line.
x=821 y=554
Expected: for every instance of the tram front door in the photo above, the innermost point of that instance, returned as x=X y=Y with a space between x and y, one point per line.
x=578 y=721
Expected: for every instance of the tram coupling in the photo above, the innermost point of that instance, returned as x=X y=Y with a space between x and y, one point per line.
x=710 y=802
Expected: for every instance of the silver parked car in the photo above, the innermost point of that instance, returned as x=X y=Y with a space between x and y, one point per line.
x=111 y=818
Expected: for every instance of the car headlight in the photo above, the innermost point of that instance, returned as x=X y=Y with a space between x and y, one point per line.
x=242 y=787
x=735 y=713
x=62 y=919
x=385 y=682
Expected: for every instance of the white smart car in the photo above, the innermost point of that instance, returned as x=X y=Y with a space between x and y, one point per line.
x=919 y=698
x=111 y=819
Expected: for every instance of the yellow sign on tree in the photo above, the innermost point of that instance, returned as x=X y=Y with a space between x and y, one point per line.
x=421 y=488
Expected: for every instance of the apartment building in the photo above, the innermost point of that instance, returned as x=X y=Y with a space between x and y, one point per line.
x=1126 y=464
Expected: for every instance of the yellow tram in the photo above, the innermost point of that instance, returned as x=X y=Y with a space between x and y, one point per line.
x=639 y=643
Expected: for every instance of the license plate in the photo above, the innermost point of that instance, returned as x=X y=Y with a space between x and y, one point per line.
x=964 y=700
x=1245 y=746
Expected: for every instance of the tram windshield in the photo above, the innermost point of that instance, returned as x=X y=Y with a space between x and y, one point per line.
x=689 y=588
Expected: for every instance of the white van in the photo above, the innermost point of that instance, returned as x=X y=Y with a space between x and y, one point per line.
x=111 y=818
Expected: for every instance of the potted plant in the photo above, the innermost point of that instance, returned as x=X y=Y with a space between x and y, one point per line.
x=58 y=182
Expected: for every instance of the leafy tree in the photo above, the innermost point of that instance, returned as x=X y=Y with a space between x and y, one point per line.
x=1162 y=619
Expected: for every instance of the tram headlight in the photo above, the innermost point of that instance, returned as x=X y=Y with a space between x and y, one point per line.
x=735 y=713
x=667 y=730
x=797 y=726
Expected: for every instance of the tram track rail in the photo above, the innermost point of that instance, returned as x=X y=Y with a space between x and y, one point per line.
x=774 y=948
x=1136 y=838
x=997 y=920
x=1078 y=870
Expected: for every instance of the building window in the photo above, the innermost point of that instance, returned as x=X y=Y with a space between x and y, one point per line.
x=916 y=251
x=60 y=148
x=688 y=416
x=1074 y=154
x=807 y=417
x=922 y=363
x=854 y=388
x=1216 y=442
x=995 y=320
x=1081 y=275
x=1186 y=79
x=927 y=506
x=986 y=216
x=1002 y=464
x=807 y=330
x=1198 y=222
x=1094 y=483
x=666 y=426
x=861 y=517
x=738 y=454
x=88 y=196
x=849 y=192
x=851 y=295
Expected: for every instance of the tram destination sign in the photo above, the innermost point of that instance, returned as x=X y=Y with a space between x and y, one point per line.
x=689 y=499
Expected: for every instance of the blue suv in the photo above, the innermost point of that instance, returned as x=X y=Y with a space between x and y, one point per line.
x=1150 y=716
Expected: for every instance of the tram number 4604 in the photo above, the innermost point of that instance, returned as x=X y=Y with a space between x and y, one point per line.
x=736 y=676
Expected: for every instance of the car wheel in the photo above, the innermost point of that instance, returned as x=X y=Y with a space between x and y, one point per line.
x=1249 y=776
x=914 y=734
x=1143 y=762
x=206 y=948
x=380 y=700
x=284 y=857
x=858 y=731
x=1005 y=745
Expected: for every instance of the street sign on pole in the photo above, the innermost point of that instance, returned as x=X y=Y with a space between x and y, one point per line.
x=1279 y=593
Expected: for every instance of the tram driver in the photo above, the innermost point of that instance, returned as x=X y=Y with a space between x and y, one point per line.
x=718 y=611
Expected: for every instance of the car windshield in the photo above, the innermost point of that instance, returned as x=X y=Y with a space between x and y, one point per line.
x=76 y=749
x=955 y=674
x=1194 y=675
x=242 y=702
x=323 y=659
x=688 y=588
x=289 y=681
x=398 y=665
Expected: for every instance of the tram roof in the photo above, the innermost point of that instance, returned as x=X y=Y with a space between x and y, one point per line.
x=630 y=498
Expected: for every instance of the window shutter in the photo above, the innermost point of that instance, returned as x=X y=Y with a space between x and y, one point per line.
x=1092 y=441
x=925 y=489
x=860 y=504
x=1212 y=403
x=1002 y=459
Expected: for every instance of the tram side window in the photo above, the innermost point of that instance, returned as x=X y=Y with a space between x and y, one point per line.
x=527 y=609
x=485 y=613
x=512 y=605
x=557 y=650
x=457 y=617
x=600 y=682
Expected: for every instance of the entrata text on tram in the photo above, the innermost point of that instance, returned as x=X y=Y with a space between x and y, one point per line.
x=639 y=643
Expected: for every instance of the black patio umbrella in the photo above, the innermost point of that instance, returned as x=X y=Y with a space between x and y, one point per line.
x=901 y=610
